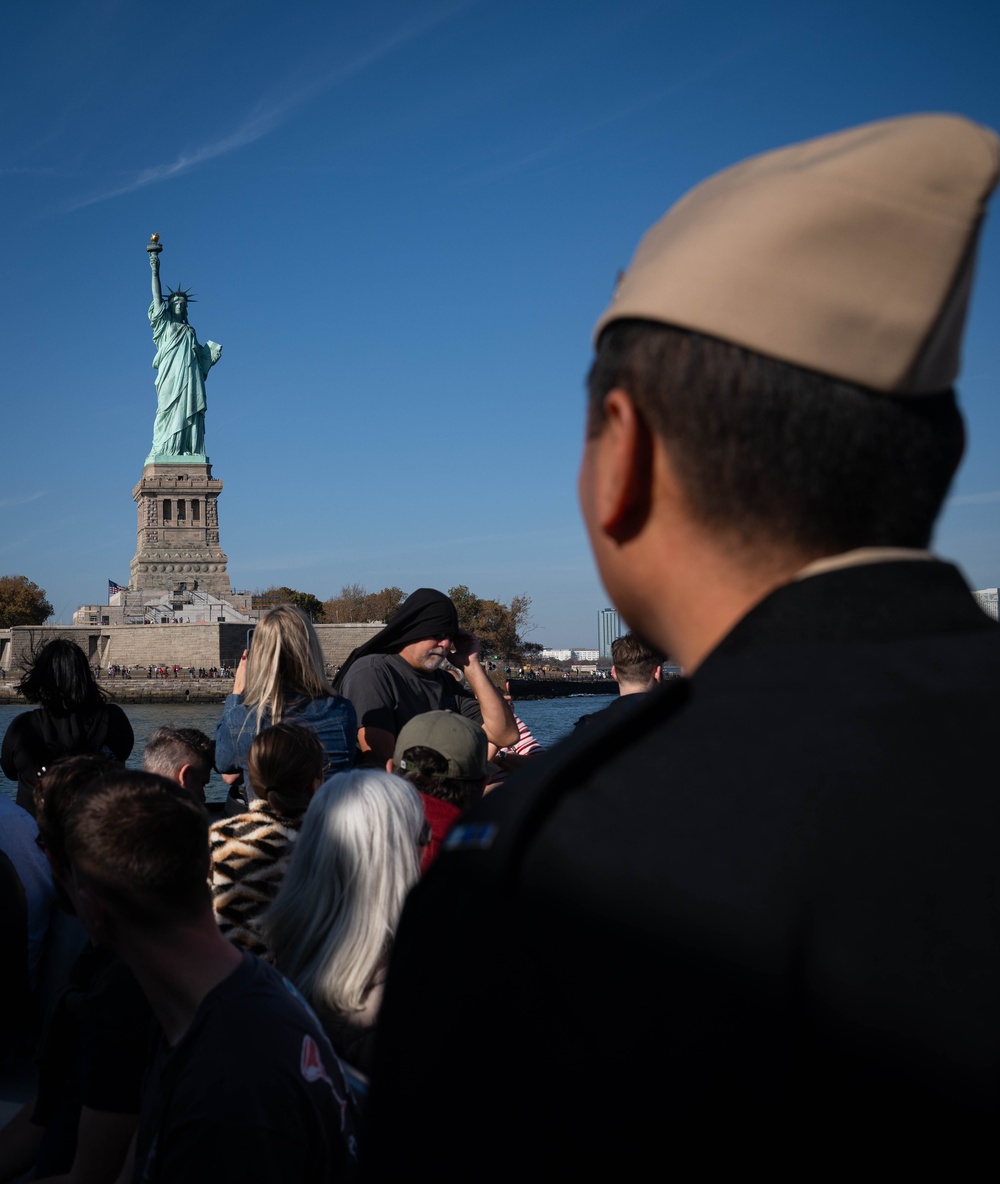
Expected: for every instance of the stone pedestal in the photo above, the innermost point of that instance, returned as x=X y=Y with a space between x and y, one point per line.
x=178 y=535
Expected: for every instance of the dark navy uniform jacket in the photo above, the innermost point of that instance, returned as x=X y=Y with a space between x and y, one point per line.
x=753 y=927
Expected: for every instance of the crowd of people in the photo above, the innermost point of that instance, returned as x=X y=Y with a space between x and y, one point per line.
x=158 y=673
x=746 y=919
x=283 y=925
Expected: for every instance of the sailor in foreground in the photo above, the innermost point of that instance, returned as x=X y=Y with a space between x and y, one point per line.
x=757 y=927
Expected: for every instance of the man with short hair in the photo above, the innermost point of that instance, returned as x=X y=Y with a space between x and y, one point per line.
x=758 y=927
x=637 y=669
x=243 y=1084
x=399 y=673
x=184 y=755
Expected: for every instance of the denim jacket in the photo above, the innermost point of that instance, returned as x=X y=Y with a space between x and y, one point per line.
x=332 y=719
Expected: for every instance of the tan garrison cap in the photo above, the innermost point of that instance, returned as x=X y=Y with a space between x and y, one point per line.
x=851 y=254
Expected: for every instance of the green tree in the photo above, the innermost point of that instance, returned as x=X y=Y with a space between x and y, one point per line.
x=311 y=605
x=22 y=602
x=500 y=627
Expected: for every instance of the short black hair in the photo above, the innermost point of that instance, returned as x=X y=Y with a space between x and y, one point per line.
x=770 y=452
x=56 y=793
x=141 y=841
x=424 y=769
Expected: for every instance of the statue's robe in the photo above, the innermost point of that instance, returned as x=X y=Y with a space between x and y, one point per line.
x=181 y=366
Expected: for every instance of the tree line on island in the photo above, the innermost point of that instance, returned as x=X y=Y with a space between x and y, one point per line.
x=499 y=626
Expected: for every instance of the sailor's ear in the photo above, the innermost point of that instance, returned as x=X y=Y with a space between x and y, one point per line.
x=617 y=471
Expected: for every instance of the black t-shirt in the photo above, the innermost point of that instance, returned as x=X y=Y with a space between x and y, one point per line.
x=93 y=1053
x=387 y=693
x=253 y=1091
x=37 y=738
x=618 y=708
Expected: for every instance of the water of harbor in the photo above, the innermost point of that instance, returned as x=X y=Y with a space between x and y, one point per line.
x=548 y=719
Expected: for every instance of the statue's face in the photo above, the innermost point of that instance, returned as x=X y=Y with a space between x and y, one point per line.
x=178 y=306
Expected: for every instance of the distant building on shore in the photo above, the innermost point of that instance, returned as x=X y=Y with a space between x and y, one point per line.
x=568 y=655
x=180 y=606
x=609 y=629
x=987 y=598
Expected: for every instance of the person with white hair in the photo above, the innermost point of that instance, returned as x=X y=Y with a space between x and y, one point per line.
x=332 y=926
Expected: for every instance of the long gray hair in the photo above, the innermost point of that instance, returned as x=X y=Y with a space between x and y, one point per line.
x=333 y=923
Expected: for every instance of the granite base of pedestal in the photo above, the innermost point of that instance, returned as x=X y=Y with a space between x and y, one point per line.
x=177 y=540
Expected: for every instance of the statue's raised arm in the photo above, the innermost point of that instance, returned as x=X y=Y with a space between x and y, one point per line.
x=154 y=249
x=182 y=365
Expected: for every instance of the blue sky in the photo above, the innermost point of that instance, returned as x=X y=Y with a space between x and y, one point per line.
x=401 y=220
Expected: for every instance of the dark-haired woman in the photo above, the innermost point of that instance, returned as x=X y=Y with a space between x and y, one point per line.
x=250 y=852
x=73 y=717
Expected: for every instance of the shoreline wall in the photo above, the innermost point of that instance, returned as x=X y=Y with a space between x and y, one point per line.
x=198 y=645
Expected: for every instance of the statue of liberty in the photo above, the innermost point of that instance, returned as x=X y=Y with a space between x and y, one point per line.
x=181 y=366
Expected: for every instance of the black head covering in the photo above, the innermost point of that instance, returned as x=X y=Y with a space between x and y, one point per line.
x=424 y=613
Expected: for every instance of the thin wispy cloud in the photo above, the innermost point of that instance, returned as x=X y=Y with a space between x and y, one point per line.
x=975 y=499
x=270 y=112
x=572 y=137
x=20 y=499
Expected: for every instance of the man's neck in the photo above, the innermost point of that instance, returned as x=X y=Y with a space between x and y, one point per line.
x=177 y=968
x=697 y=587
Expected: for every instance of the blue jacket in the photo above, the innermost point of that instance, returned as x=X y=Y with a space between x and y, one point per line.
x=332 y=719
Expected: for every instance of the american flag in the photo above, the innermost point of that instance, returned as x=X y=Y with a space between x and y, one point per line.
x=113 y=587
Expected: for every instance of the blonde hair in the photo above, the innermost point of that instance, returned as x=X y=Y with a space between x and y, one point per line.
x=333 y=923
x=285 y=659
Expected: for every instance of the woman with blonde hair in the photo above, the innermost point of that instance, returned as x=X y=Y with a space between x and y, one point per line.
x=281 y=679
x=332 y=926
